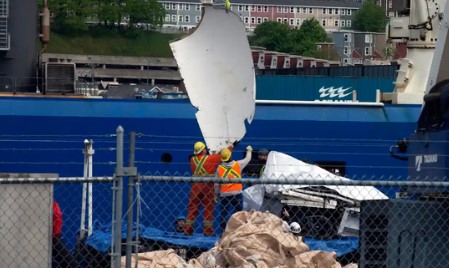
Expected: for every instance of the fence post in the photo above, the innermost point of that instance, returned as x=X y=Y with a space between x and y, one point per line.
x=129 y=229
x=118 y=200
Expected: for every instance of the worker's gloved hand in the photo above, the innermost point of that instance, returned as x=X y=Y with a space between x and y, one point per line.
x=249 y=148
x=235 y=143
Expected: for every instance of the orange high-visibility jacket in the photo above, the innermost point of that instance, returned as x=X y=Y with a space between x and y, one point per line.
x=209 y=166
x=233 y=172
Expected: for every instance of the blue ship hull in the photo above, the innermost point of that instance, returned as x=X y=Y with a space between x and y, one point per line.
x=51 y=131
x=45 y=135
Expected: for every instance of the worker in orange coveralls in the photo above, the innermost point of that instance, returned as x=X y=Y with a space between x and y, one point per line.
x=202 y=165
x=61 y=256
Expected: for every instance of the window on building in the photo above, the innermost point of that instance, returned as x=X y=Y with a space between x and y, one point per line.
x=310 y=10
x=167 y=17
x=346 y=50
x=292 y=22
x=336 y=11
x=348 y=23
x=279 y=9
x=346 y=61
x=304 y=10
x=253 y=20
x=253 y=8
x=347 y=37
x=348 y=12
x=181 y=6
x=187 y=6
x=323 y=23
x=259 y=20
x=246 y=8
x=265 y=19
x=197 y=19
x=265 y=8
x=187 y=18
x=240 y=8
x=198 y=7
x=390 y=4
x=367 y=51
x=330 y=11
x=286 y=9
x=298 y=22
x=173 y=6
x=173 y=18
x=246 y=20
x=324 y=11
x=292 y=10
x=343 y=12
x=180 y=18
x=368 y=38
x=342 y=23
x=336 y=23
x=259 y=8
x=390 y=14
x=279 y=20
x=298 y=10
x=285 y=21
x=167 y=6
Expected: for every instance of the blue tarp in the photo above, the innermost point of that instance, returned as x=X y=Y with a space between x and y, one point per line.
x=193 y=241
x=101 y=240
x=341 y=246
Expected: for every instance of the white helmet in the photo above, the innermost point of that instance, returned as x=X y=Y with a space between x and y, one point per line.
x=295 y=228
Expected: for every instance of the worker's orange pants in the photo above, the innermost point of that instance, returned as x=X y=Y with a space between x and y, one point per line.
x=201 y=193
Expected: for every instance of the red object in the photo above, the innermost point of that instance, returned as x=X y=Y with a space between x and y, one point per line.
x=202 y=193
x=57 y=219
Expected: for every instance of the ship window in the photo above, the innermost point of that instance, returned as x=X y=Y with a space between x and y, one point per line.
x=166 y=158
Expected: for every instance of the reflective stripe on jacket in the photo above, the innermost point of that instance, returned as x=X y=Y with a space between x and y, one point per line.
x=200 y=171
x=232 y=172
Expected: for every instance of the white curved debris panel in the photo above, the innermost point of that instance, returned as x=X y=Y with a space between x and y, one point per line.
x=280 y=165
x=216 y=64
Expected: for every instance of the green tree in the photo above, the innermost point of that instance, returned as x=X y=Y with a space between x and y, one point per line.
x=310 y=33
x=156 y=14
x=370 y=18
x=70 y=16
x=282 y=38
x=273 y=36
x=108 y=12
x=136 y=11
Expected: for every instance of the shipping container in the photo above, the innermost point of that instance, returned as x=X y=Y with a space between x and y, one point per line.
x=323 y=88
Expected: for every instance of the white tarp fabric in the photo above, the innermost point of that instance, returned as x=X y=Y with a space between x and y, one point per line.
x=283 y=166
x=216 y=64
x=157 y=259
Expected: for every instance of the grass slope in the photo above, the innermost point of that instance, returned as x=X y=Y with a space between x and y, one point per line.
x=146 y=44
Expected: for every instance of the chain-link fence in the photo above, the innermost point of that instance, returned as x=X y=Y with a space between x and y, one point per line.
x=353 y=221
x=287 y=216
x=47 y=221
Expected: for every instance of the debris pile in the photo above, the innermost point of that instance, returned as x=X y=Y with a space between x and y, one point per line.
x=251 y=239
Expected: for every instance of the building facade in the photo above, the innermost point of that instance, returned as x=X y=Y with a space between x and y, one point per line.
x=392 y=8
x=357 y=47
x=333 y=15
